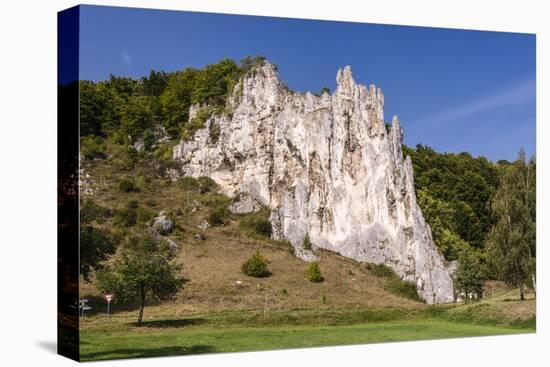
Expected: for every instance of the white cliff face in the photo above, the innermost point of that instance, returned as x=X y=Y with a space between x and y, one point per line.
x=326 y=167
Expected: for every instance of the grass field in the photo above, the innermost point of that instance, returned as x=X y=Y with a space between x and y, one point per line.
x=119 y=337
x=196 y=338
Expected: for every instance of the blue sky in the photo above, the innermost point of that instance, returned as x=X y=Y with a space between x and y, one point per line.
x=453 y=90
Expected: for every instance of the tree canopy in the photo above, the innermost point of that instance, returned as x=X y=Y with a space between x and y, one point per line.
x=144 y=270
x=512 y=240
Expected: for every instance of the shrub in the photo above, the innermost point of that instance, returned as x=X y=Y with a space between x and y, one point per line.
x=196 y=123
x=218 y=215
x=148 y=140
x=206 y=184
x=92 y=147
x=325 y=90
x=306 y=243
x=127 y=216
x=256 y=266
x=144 y=215
x=380 y=270
x=125 y=158
x=403 y=288
x=257 y=223
x=165 y=151
x=188 y=183
x=127 y=185
x=90 y=211
x=314 y=273
x=214 y=133
x=133 y=214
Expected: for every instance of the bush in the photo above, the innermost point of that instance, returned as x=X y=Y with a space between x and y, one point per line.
x=148 y=140
x=257 y=223
x=403 y=288
x=165 y=151
x=314 y=273
x=380 y=270
x=90 y=211
x=188 y=183
x=214 y=133
x=144 y=215
x=127 y=185
x=218 y=215
x=306 y=243
x=127 y=216
x=142 y=182
x=206 y=184
x=256 y=266
x=133 y=214
x=196 y=123
x=92 y=147
x=125 y=158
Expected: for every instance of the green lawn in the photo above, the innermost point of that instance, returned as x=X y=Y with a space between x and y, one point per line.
x=180 y=339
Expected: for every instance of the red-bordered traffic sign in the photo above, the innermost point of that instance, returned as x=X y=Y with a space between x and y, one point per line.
x=109 y=297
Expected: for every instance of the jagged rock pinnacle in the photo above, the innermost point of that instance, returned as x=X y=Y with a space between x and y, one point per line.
x=325 y=166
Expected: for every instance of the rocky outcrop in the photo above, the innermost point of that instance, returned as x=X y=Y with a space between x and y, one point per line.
x=163 y=224
x=326 y=166
x=243 y=204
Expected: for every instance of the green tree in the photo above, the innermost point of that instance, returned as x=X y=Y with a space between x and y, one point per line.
x=95 y=246
x=306 y=243
x=314 y=273
x=92 y=105
x=512 y=240
x=325 y=90
x=442 y=218
x=155 y=83
x=458 y=190
x=144 y=270
x=250 y=62
x=469 y=276
x=256 y=266
x=137 y=116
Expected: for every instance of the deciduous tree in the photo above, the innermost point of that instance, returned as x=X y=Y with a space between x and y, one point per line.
x=144 y=270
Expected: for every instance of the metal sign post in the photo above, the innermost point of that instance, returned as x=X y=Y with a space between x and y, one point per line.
x=108 y=298
x=83 y=305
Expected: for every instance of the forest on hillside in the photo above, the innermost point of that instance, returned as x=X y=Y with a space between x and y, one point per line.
x=482 y=213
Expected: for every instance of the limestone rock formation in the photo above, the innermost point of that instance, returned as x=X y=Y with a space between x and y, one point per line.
x=163 y=224
x=326 y=166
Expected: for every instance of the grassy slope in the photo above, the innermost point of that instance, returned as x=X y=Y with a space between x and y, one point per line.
x=210 y=339
x=215 y=314
x=213 y=266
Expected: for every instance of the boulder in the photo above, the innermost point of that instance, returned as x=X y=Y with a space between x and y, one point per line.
x=163 y=224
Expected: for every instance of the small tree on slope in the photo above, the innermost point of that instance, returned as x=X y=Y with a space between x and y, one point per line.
x=144 y=270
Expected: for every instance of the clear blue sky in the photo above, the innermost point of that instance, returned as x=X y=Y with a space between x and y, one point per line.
x=453 y=90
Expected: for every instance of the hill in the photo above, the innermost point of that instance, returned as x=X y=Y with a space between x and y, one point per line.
x=212 y=257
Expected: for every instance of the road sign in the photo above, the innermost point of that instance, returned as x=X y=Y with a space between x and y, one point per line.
x=109 y=298
x=83 y=305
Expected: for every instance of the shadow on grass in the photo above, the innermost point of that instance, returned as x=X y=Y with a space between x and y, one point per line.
x=147 y=352
x=161 y=324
